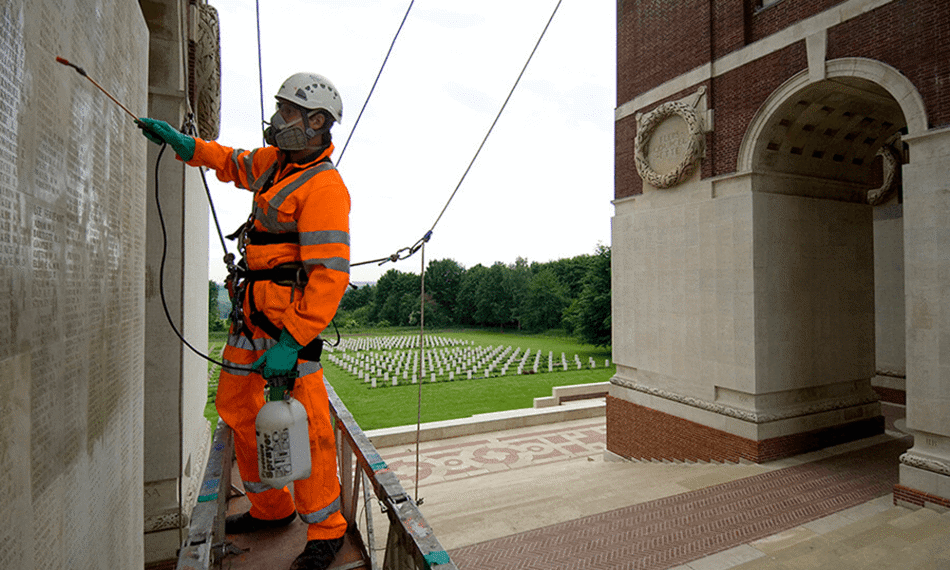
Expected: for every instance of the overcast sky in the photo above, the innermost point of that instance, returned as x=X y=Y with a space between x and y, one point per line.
x=540 y=189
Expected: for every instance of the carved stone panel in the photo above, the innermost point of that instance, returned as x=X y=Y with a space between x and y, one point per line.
x=670 y=142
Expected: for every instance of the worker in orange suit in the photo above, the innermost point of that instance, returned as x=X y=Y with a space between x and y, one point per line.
x=288 y=286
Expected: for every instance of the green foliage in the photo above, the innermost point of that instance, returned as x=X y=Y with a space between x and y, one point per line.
x=358 y=298
x=590 y=314
x=493 y=301
x=544 y=301
x=214 y=320
x=572 y=295
x=443 y=280
x=466 y=300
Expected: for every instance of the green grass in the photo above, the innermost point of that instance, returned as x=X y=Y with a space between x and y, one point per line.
x=389 y=406
x=216 y=341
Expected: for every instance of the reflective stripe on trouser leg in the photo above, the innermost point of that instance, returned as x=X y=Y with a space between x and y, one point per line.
x=318 y=497
x=240 y=397
x=323 y=514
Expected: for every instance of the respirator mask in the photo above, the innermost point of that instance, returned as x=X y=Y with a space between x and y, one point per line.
x=289 y=136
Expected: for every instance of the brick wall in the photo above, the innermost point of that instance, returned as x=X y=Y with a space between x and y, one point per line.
x=626 y=180
x=911 y=36
x=659 y=40
x=919 y=498
x=737 y=96
x=731 y=19
x=778 y=16
x=642 y=433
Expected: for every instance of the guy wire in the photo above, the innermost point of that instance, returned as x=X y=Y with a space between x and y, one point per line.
x=422 y=355
x=398 y=256
x=375 y=81
x=498 y=116
x=260 y=65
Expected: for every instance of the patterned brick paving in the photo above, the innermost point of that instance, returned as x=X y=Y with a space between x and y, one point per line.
x=446 y=461
x=675 y=530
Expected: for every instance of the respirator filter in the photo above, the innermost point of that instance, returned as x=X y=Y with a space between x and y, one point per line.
x=287 y=136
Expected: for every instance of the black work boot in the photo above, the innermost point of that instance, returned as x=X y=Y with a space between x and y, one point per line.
x=245 y=523
x=318 y=554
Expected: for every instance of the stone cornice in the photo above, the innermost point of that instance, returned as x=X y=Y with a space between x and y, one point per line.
x=748 y=415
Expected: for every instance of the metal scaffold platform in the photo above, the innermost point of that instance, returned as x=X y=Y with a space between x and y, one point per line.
x=365 y=479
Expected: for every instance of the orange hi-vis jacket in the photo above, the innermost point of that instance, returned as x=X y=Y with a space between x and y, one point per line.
x=307 y=199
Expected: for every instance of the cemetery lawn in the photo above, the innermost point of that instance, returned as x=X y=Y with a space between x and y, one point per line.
x=390 y=406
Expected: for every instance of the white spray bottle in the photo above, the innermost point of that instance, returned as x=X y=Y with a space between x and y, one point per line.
x=283 y=441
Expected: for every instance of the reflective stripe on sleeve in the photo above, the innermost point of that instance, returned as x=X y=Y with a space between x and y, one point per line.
x=308 y=367
x=238 y=166
x=323 y=514
x=336 y=263
x=259 y=182
x=256 y=486
x=324 y=237
x=236 y=368
x=249 y=167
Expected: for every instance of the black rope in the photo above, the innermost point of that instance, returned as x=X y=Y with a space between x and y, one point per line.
x=373 y=88
x=407 y=252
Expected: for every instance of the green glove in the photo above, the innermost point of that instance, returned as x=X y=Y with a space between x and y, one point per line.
x=280 y=359
x=160 y=132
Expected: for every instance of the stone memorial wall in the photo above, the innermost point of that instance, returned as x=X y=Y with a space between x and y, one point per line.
x=72 y=238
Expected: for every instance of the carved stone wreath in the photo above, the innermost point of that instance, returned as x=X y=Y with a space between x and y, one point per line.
x=891 y=161
x=206 y=78
x=647 y=124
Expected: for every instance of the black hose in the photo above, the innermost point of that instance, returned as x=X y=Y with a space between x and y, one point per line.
x=161 y=277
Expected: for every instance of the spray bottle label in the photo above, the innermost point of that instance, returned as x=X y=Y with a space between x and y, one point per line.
x=274 y=454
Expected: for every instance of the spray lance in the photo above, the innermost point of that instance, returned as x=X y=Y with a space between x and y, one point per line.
x=283 y=441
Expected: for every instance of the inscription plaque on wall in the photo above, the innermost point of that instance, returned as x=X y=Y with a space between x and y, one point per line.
x=72 y=217
x=669 y=145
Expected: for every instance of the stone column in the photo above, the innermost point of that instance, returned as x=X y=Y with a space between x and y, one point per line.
x=925 y=468
x=177 y=436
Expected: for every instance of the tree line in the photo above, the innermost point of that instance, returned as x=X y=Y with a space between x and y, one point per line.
x=572 y=294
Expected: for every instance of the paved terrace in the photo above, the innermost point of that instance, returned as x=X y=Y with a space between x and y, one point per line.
x=544 y=497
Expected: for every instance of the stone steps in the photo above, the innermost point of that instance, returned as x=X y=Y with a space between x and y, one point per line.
x=681 y=462
x=897 y=537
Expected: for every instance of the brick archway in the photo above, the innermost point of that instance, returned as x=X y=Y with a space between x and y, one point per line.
x=885 y=77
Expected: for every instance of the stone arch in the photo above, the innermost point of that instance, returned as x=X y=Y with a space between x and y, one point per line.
x=885 y=77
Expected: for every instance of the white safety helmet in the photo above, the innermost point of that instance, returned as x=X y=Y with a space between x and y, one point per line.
x=312 y=91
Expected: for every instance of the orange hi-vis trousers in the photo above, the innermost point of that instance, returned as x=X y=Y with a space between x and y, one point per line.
x=240 y=398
